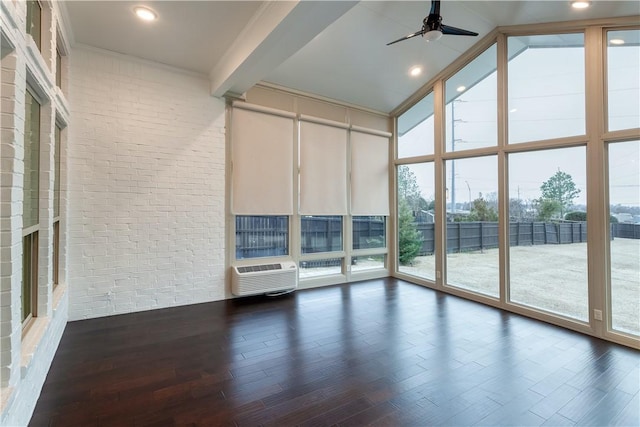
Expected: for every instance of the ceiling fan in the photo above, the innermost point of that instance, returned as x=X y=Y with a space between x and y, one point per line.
x=433 y=28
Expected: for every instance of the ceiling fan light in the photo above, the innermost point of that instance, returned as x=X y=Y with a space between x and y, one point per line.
x=580 y=4
x=432 y=35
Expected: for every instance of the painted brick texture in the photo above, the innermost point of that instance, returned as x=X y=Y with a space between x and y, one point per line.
x=146 y=173
x=25 y=357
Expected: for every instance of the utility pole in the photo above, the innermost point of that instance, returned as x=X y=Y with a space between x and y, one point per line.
x=453 y=148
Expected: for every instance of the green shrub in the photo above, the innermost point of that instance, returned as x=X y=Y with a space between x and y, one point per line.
x=576 y=216
x=582 y=216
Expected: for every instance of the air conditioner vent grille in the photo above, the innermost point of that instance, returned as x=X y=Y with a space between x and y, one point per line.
x=263 y=267
x=264 y=278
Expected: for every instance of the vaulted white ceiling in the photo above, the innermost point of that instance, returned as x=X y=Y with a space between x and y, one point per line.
x=335 y=49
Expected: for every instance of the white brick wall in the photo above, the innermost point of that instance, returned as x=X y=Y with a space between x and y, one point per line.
x=11 y=183
x=146 y=180
x=23 y=400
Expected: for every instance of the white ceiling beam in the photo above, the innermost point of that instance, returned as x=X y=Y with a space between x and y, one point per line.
x=277 y=31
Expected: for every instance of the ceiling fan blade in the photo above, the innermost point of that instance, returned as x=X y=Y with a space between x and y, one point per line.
x=417 y=33
x=456 y=31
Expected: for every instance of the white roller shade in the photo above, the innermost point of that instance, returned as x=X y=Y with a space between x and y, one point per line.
x=323 y=169
x=369 y=174
x=262 y=160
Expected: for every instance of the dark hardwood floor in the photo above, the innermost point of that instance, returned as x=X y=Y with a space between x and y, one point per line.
x=382 y=353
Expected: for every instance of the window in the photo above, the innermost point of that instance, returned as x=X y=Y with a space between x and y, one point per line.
x=415 y=129
x=58 y=69
x=56 y=206
x=369 y=232
x=56 y=175
x=546 y=87
x=472 y=225
x=300 y=183
x=624 y=200
x=29 y=277
x=30 y=207
x=321 y=234
x=533 y=148
x=472 y=104
x=416 y=214
x=320 y=267
x=367 y=263
x=623 y=88
x=261 y=236
x=34 y=21
x=548 y=255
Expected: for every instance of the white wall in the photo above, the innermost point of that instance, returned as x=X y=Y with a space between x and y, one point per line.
x=146 y=187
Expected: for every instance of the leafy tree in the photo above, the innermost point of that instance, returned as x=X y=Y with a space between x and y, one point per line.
x=409 y=200
x=561 y=188
x=547 y=209
x=409 y=238
x=481 y=211
x=409 y=190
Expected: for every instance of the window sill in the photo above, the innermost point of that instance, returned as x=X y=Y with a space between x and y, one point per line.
x=5 y=395
x=31 y=340
x=58 y=291
x=39 y=325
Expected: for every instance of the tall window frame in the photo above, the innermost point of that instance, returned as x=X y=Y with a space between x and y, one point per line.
x=31 y=196
x=593 y=139
x=34 y=21
x=58 y=68
x=326 y=259
x=56 y=203
x=621 y=129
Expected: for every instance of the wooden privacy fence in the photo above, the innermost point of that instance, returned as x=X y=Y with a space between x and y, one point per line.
x=474 y=236
x=261 y=236
x=626 y=231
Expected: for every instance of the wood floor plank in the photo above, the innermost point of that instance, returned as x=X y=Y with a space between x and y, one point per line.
x=379 y=353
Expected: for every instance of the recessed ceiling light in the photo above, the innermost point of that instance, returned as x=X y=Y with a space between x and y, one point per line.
x=616 y=41
x=580 y=4
x=145 y=13
x=513 y=110
x=461 y=88
x=415 y=71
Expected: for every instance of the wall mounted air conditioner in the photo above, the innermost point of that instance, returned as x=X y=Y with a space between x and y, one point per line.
x=264 y=278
